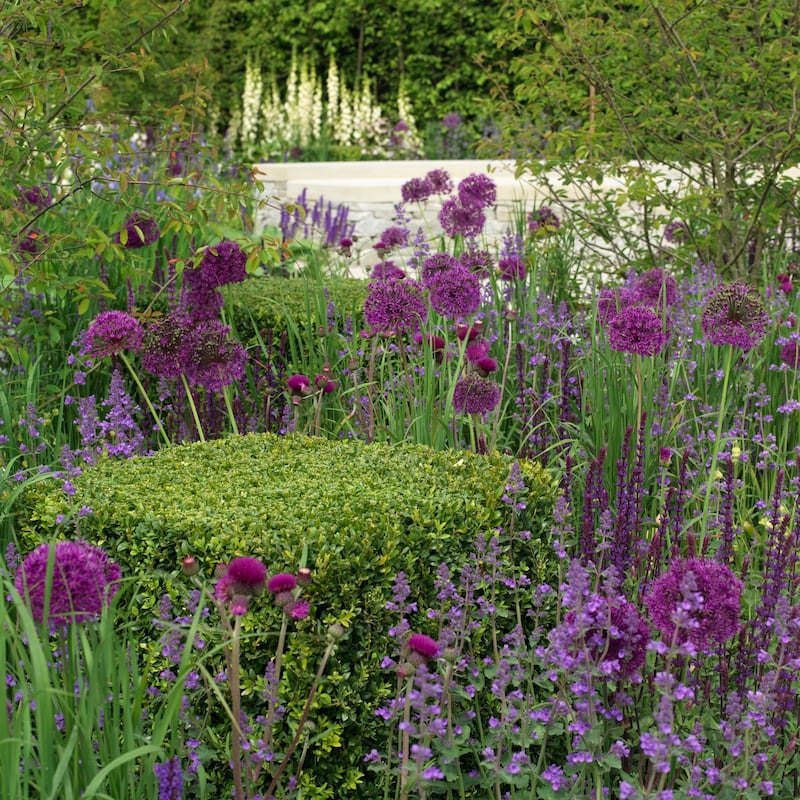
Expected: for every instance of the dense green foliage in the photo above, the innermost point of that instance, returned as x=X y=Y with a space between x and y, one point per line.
x=362 y=513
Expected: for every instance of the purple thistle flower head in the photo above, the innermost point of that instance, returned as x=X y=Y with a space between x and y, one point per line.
x=423 y=646
x=282 y=582
x=170 y=779
x=439 y=181
x=475 y=395
x=297 y=610
x=84 y=580
x=297 y=383
x=637 y=329
x=211 y=359
x=395 y=307
x=112 y=332
x=163 y=346
x=416 y=190
x=696 y=600
x=460 y=219
x=477 y=190
x=138 y=231
x=455 y=293
x=248 y=574
x=656 y=288
x=735 y=315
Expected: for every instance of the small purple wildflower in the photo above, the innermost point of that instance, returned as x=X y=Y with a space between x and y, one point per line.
x=170 y=779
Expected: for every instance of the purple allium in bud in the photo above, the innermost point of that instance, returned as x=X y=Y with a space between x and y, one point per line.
x=139 y=231
x=458 y=219
x=210 y=358
x=543 y=221
x=637 y=329
x=455 y=293
x=416 y=190
x=477 y=190
x=475 y=395
x=656 y=288
x=735 y=315
x=248 y=573
x=282 y=582
x=395 y=307
x=423 y=646
x=696 y=600
x=511 y=268
x=84 y=580
x=170 y=779
x=112 y=332
x=439 y=181
x=790 y=354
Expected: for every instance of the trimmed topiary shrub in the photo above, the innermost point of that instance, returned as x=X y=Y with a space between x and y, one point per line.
x=357 y=513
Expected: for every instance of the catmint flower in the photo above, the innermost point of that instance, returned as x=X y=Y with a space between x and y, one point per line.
x=455 y=293
x=459 y=219
x=112 y=332
x=637 y=329
x=696 y=601
x=475 y=395
x=735 y=315
x=478 y=191
x=84 y=580
x=395 y=307
x=139 y=231
x=170 y=779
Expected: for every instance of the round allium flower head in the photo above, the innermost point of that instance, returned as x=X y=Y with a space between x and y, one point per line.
x=477 y=261
x=423 y=646
x=790 y=354
x=676 y=231
x=610 y=301
x=416 y=190
x=458 y=219
x=543 y=221
x=696 y=600
x=393 y=237
x=282 y=582
x=656 y=288
x=637 y=329
x=248 y=574
x=210 y=359
x=140 y=231
x=395 y=307
x=511 y=268
x=163 y=346
x=39 y=197
x=735 y=315
x=387 y=270
x=200 y=301
x=439 y=181
x=435 y=264
x=455 y=293
x=84 y=580
x=112 y=332
x=477 y=190
x=475 y=395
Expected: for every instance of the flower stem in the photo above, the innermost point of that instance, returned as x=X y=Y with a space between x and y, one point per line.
x=146 y=397
x=193 y=407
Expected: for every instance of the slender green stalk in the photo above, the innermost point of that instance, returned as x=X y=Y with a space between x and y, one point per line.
x=193 y=407
x=146 y=397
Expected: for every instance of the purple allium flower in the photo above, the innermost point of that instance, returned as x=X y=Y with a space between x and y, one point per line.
x=416 y=190
x=387 y=271
x=656 y=288
x=170 y=779
x=282 y=582
x=395 y=236
x=439 y=181
x=451 y=121
x=511 y=268
x=785 y=282
x=697 y=601
x=210 y=359
x=475 y=395
x=477 y=190
x=221 y=264
x=458 y=219
x=140 y=231
x=84 y=580
x=163 y=346
x=455 y=293
x=395 y=307
x=39 y=197
x=637 y=329
x=610 y=301
x=676 y=231
x=790 y=354
x=436 y=263
x=735 y=315
x=112 y=332
x=423 y=645
x=200 y=301
x=248 y=574
x=477 y=261
x=543 y=221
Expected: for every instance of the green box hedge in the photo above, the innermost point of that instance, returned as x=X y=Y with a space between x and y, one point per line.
x=363 y=512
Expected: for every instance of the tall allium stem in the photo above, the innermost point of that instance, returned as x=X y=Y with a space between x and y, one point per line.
x=717 y=447
x=146 y=397
x=193 y=408
x=226 y=393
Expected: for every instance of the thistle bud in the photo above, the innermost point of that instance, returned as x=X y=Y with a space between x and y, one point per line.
x=190 y=566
